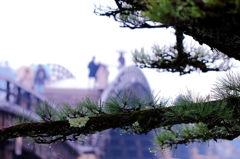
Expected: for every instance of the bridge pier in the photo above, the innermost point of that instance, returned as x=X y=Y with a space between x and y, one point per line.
x=5 y=150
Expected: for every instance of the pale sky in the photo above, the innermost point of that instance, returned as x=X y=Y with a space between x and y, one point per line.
x=69 y=33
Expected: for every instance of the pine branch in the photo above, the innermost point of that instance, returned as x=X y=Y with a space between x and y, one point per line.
x=215 y=23
x=213 y=114
x=182 y=59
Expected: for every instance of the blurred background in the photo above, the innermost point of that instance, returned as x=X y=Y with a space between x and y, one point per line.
x=69 y=34
x=46 y=48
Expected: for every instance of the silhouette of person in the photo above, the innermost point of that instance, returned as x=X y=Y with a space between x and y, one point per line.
x=121 y=60
x=27 y=79
x=39 y=80
x=92 y=73
x=102 y=78
x=6 y=71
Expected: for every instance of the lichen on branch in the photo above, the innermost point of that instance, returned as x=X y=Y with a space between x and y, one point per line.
x=78 y=122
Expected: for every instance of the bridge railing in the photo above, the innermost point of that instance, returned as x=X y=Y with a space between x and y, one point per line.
x=14 y=92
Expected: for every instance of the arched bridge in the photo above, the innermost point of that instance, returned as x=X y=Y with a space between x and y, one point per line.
x=17 y=100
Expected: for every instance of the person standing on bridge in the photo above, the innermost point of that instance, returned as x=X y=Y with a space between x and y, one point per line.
x=121 y=60
x=102 y=78
x=92 y=73
x=26 y=76
x=39 y=80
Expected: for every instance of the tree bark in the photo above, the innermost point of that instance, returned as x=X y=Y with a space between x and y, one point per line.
x=148 y=119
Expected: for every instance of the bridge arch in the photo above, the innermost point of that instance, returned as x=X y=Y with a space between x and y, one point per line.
x=117 y=145
x=129 y=78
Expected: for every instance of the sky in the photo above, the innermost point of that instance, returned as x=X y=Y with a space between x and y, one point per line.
x=69 y=33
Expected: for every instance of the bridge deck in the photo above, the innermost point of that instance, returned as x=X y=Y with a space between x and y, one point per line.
x=71 y=96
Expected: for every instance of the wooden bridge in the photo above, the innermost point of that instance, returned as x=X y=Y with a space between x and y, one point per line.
x=19 y=101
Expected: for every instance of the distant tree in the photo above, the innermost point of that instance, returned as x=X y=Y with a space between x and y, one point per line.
x=212 y=22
